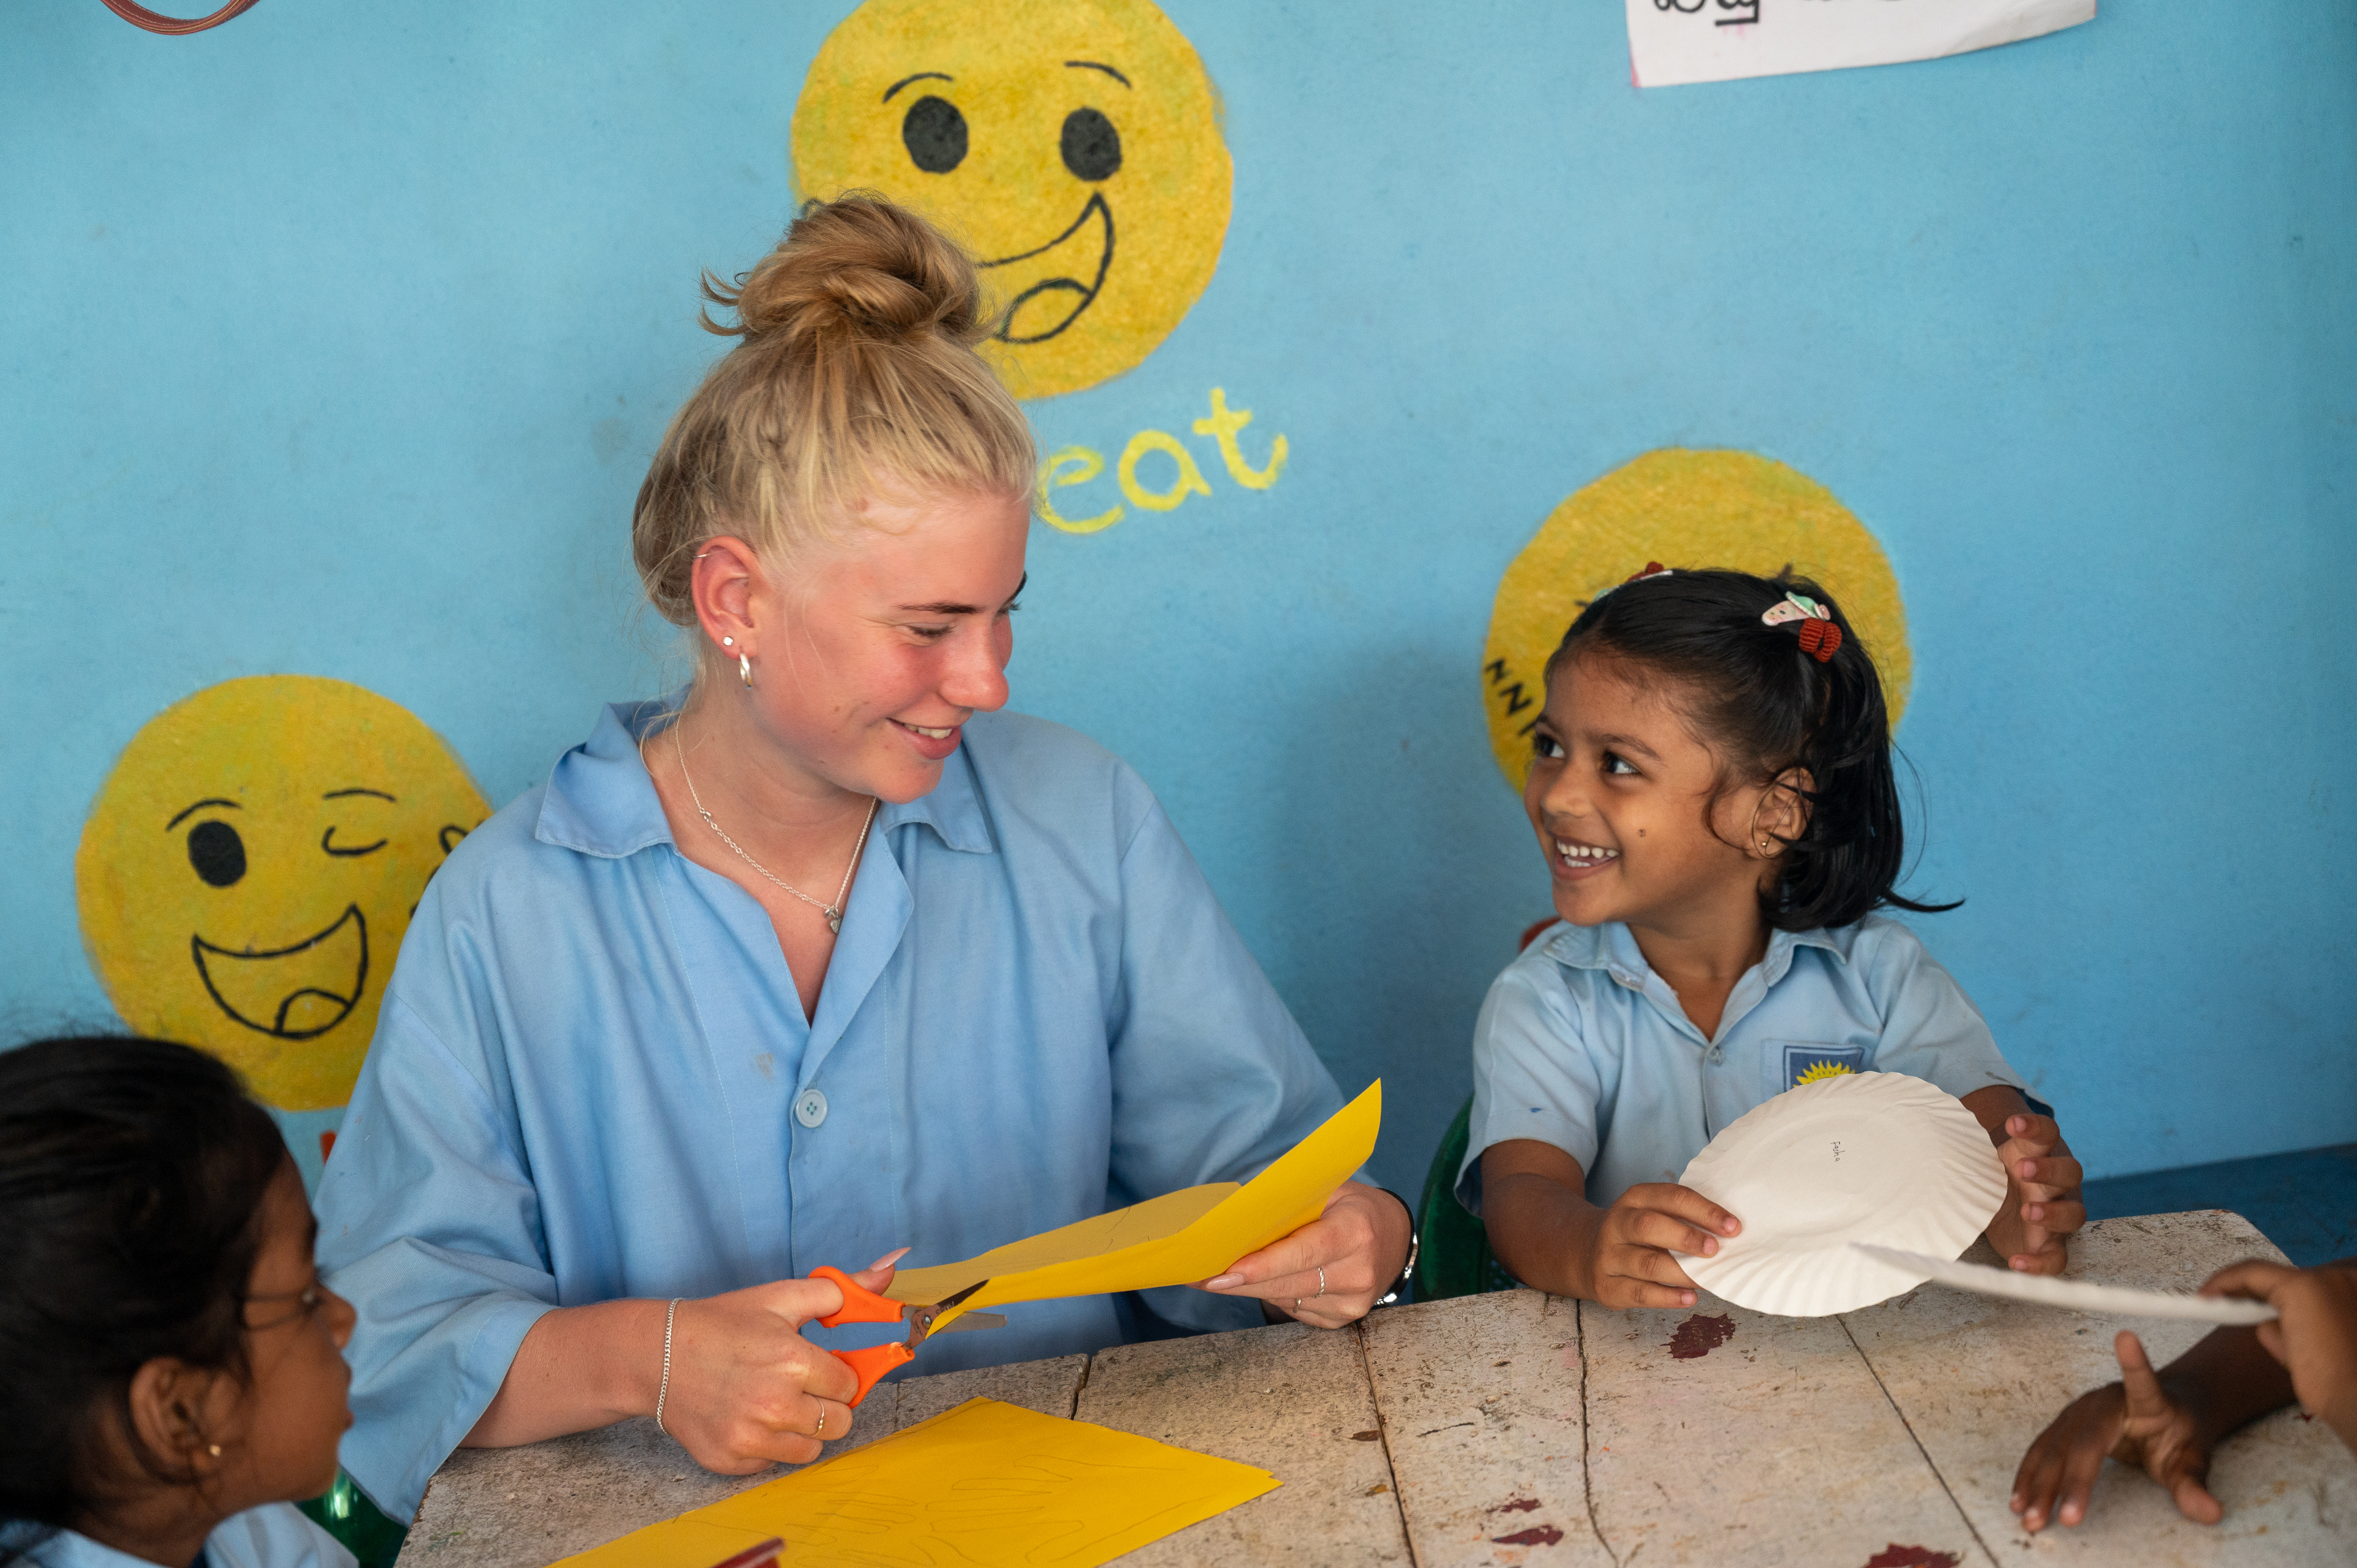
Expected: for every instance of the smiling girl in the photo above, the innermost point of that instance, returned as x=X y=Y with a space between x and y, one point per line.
x=1711 y=788
x=171 y=1368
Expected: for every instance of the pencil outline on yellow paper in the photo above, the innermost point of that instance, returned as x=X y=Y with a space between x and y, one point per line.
x=1176 y=1238
x=985 y=1484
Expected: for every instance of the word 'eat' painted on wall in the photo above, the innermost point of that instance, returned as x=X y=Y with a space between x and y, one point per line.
x=1071 y=466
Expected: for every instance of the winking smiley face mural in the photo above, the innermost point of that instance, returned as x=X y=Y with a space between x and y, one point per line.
x=249 y=867
x=1073 y=146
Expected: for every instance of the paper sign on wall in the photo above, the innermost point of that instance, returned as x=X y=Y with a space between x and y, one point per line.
x=1676 y=41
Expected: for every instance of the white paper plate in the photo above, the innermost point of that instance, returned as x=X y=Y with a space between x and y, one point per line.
x=2082 y=1295
x=1871 y=1157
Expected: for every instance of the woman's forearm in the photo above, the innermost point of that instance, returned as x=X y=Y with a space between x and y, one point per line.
x=579 y=1368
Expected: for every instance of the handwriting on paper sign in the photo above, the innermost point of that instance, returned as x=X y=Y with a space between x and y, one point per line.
x=1676 y=41
x=1725 y=13
x=1173 y=465
x=1836 y=1151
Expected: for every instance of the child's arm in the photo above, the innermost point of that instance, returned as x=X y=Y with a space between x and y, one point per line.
x=2041 y=1181
x=2169 y=1425
x=1535 y=1203
x=2315 y=1340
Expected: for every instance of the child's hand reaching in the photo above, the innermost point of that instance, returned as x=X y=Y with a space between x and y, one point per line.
x=2138 y=1421
x=2315 y=1339
x=2042 y=1195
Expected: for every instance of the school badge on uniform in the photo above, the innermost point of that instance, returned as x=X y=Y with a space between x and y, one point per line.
x=1814 y=1064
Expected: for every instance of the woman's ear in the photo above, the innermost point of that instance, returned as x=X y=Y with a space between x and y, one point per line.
x=727 y=575
x=180 y=1418
x=1784 y=814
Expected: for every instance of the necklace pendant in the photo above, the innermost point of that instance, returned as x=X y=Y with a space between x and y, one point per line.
x=833 y=921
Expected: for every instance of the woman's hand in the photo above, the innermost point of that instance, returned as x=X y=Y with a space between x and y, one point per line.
x=2139 y=1421
x=1359 y=1243
x=746 y=1389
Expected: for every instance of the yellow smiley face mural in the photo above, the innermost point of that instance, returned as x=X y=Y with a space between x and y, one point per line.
x=1073 y=146
x=250 y=866
x=1683 y=509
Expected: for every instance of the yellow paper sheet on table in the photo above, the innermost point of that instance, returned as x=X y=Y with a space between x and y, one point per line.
x=1173 y=1240
x=985 y=1485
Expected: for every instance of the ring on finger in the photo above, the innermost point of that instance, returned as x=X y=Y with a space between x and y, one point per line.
x=822 y=1422
x=1321 y=1285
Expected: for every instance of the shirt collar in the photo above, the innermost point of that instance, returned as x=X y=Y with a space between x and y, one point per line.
x=953 y=809
x=1613 y=947
x=601 y=801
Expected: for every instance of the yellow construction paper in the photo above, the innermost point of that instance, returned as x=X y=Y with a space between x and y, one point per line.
x=984 y=1485
x=1173 y=1240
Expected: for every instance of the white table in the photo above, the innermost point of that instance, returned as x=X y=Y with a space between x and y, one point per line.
x=1525 y=1429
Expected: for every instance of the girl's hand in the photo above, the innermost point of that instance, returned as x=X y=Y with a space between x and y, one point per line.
x=2315 y=1337
x=1627 y=1262
x=1360 y=1242
x=746 y=1389
x=2041 y=1195
x=2138 y=1421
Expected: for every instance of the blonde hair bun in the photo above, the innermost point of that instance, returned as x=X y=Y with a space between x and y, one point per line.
x=860 y=265
x=856 y=366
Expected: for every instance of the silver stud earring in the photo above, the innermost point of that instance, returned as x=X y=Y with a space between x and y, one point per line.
x=727 y=642
x=744 y=670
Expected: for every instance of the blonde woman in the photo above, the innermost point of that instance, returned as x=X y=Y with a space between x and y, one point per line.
x=830 y=959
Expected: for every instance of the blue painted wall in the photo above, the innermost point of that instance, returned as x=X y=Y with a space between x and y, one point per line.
x=336 y=341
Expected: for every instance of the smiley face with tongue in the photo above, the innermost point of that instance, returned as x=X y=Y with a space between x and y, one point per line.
x=250 y=868
x=1073 y=146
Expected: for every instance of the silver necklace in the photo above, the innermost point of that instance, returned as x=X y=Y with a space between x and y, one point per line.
x=834 y=912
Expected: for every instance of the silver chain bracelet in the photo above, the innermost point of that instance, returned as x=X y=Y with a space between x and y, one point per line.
x=664 y=1392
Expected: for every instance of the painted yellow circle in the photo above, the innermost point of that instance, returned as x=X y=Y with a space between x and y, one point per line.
x=1073 y=146
x=249 y=867
x=1692 y=509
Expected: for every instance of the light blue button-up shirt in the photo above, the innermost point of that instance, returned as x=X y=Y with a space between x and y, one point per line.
x=1582 y=1045
x=276 y=1535
x=592 y=1077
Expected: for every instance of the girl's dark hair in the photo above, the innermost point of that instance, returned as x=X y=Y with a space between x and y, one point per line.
x=132 y=1174
x=1766 y=706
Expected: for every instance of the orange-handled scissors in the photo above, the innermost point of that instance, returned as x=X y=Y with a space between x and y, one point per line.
x=863 y=1306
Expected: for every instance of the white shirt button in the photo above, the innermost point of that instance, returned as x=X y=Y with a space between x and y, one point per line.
x=810 y=1108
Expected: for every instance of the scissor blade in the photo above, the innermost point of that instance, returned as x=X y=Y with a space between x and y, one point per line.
x=923 y=1318
x=966 y=1320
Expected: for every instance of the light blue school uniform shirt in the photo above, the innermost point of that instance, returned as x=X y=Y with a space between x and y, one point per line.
x=1582 y=1045
x=592 y=1077
x=276 y=1535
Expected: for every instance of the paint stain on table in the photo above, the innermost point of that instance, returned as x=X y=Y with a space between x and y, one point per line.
x=1898 y=1556
x=1698 y=1336
x=1516 y=1505
x=1537 y=1535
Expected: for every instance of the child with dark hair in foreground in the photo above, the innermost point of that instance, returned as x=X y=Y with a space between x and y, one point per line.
x=2169 y=1423
x=1711 y=786
x=171 y=1368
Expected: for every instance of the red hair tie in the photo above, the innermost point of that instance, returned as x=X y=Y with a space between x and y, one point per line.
x=1819 y=636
